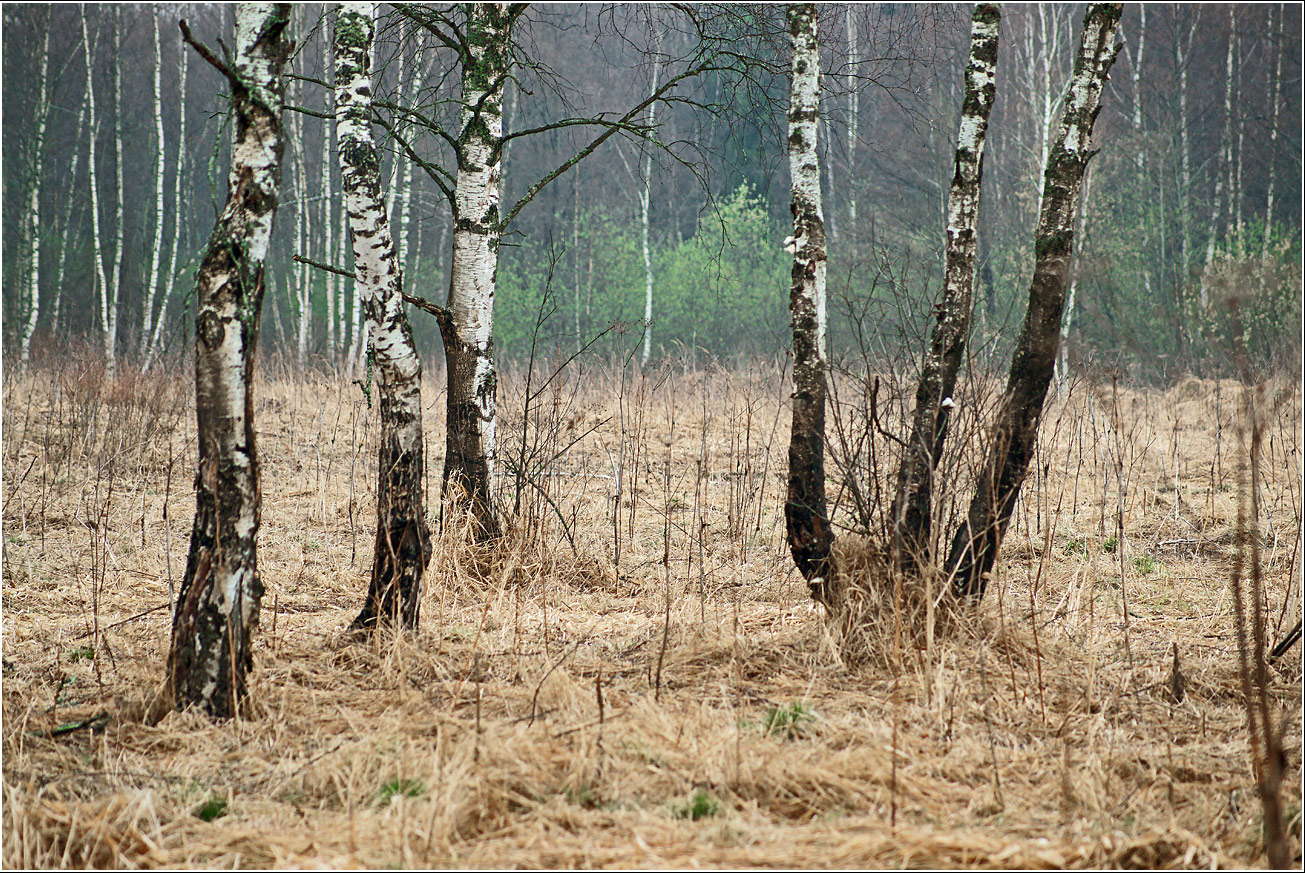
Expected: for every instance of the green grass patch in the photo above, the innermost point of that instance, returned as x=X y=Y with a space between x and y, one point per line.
x=1145 y=564
x=700 y=805
x=787 y=722
x=400 y=786
x=81 y=653
x=212 y=809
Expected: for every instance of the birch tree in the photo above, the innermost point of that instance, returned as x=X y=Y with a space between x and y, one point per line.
x=806 y=515
x=402 y=538
x=179 y=183
x=913 y=503
x=1019 y=413
x=33 y=217
x=107 y=302
x=218 y=602
x=468 y=327
x=147 y=307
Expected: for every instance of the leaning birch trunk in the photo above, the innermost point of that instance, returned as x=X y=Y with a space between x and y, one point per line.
x=913 y=504
x=34 y=205
x=147 y=310
x=217 y=605
x=468 y=328
x=403 y=545
x=1010 y=449
x=805 y=511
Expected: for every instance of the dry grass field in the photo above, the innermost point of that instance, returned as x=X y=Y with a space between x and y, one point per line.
x=635 y=677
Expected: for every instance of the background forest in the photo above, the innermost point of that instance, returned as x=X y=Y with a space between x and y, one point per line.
x=1195 y=195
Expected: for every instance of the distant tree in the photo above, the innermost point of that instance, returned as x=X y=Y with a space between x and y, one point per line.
x=402 y=538
x=217 y=605
x=33 y=216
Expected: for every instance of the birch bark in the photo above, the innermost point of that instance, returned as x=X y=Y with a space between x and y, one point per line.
x=120 y=224
x=975 y=546
x=810 y=537
x=1274 y=89
x=72 y=199
x=645 y=204
x=147 y=308
x=1225 y=165
x=218 y=603
x=402 y=538
x=913 y=504
x=34 y=203
x=467 y=329
x=101 y=281
x=179 y=183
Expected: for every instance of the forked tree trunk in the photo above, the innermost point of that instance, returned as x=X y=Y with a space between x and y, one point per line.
x=810 y=537
x=468 y=328
x=402 y=538
x=217 y=606
x=1010 y=449
x=912 y=506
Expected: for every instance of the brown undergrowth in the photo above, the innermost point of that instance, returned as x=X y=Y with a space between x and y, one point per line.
x=635 y=676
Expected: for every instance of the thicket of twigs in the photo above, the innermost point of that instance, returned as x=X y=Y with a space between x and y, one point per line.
x=636 y=676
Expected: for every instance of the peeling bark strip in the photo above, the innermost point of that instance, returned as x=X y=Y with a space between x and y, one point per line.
x=468 y=332
x=805 y=511
x=912 y=506
x=974 y=549
x=403 y=545
x=217 y=606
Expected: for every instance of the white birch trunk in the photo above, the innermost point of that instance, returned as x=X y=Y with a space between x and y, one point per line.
x=468 y=329
x=34 y=204
x=328 y=224
x=1225 y=168
x=101 y=281
x=402 y=537
x=147 y=310
x=913 y=502
x=1014 y=433
x=66 y=225
x=645 y=203
x=853 y=116
x=1276 y=91
x=218 y=603
x=120 y=224
x=805 y=510
x=178 y=219
x=1183 y=55
x=303 y=284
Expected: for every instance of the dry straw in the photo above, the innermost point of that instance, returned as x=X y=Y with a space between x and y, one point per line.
x=1024 y=737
